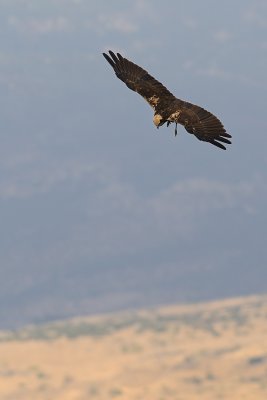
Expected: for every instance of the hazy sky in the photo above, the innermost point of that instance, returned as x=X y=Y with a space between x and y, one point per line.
x=88 y=185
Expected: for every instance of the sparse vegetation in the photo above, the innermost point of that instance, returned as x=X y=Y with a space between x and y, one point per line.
x=131 y=348
x=93 y=391
x=257 y=360
x=115 y=392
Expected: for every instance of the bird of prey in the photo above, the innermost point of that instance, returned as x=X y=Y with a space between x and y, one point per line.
x=167 y=108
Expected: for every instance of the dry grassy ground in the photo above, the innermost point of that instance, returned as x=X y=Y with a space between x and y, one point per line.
x=204 y=351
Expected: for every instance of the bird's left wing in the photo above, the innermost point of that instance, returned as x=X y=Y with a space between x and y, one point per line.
x=139 y=80
x=203 y=124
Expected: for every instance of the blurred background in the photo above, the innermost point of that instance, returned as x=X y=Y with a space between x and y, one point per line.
x=99 y=211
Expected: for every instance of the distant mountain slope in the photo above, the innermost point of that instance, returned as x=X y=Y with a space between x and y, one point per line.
x=202 y=351
x=212 y=317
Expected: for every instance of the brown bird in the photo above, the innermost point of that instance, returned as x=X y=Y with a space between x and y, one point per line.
x=167 y=108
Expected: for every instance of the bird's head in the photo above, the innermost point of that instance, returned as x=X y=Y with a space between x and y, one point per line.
x=158 y=120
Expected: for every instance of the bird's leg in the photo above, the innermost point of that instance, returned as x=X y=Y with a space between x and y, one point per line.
x=175 y=132
x=168 y=123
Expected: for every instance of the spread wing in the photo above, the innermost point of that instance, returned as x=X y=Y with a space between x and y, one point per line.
x=139 y=80
x=204 y=125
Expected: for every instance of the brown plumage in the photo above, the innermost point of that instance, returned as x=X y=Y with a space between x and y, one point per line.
x=167 y=108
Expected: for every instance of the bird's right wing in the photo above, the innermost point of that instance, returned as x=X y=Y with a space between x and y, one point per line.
x=139 y=80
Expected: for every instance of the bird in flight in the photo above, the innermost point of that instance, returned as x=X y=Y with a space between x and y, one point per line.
x=167 y=108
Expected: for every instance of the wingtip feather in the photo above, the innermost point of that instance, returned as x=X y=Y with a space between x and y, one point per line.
x=109 y=59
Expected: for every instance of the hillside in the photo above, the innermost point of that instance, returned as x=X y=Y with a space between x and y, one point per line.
x=203 y=351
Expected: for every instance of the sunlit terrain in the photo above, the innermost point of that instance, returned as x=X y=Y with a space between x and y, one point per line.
x=206 y=351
